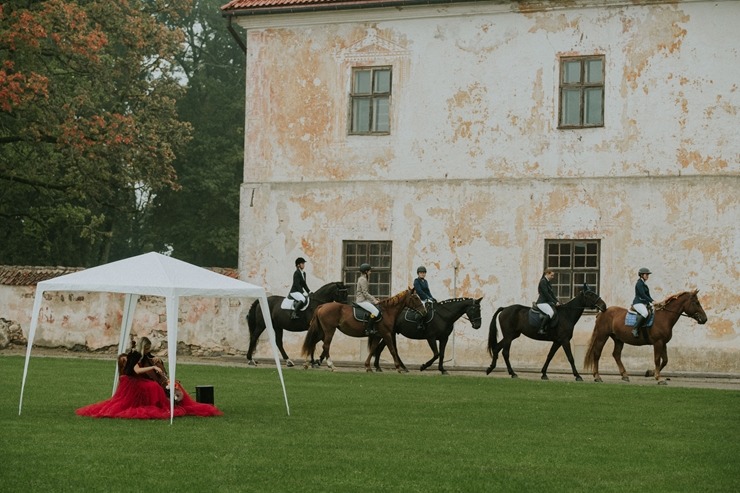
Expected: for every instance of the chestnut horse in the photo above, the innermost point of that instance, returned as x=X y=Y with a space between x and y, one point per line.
x=334 y=291
x=515 y=321
x=443 y=317
x=610 y=324
x=332 y=316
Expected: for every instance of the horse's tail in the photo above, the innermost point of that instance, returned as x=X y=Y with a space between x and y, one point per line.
x=314 y=335
x=492 y=332
x=590 y=359
x=252 y=316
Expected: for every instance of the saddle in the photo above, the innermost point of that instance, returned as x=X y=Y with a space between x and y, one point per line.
x=536 y=315
x=631 y=318
x=362 y=315
x=287 y=304
x=412 y=316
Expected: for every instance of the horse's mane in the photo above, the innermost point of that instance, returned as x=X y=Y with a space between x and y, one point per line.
x=662 y=304
x=453 y=300
x=396 y=298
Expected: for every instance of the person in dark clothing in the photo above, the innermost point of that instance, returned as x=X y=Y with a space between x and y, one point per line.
x=643 y=302
x=547 y=301
x=421 y=287
x=299 y=290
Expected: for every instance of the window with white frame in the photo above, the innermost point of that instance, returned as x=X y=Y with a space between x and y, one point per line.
x=375 y=253
x=574 y=262
x=370 y=100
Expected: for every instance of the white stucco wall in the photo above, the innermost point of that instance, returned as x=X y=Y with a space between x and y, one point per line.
x=476 y=173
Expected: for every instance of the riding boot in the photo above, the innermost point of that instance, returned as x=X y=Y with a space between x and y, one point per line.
x=543 y=324
x=294 y=313
x=370 y=326
x=638 y=323
x=419 y=323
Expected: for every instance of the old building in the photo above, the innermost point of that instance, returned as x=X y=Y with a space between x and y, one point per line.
x=488 y=140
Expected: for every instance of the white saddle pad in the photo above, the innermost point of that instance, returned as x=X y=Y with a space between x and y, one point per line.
x=287 y=304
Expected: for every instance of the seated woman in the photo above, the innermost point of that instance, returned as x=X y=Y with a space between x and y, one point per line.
x=139 y=394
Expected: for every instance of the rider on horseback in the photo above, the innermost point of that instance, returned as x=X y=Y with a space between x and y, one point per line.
x=421 y=286
x=643 y=302
x=364 y=299
x=299 y=290
x=547 y=301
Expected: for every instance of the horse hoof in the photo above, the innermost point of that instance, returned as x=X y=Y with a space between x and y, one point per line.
x=305 y=366
x=579 y=379
x=289 y=363
x=422 y=368
x=489 y=370
x=378 y=370
x=368 y=370
x=514 y=375
x=444 y=372
x=598 y=380
x=662 y=382
x=251 y=362
x=404 y=369
x=544 y=377
x=625 y=379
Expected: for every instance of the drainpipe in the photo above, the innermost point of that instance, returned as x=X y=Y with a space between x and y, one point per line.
x=455 y=267
x=236 y=36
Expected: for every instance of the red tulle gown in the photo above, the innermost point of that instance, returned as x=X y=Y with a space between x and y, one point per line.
x=138 y=397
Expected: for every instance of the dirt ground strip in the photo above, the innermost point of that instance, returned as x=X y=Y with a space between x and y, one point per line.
x=674 y=379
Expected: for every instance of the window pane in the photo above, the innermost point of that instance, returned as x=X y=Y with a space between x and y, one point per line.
x=382 y=81
x=382 y=119
x=361 y=115
x=572 y=72
x=571 y=111
x=362 y=82
x=594 y=71
x=593 y=106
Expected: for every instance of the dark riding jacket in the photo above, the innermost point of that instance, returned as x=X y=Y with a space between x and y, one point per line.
x=421 y=286
x=642 y=293
x=299 y=282
x=547 y=295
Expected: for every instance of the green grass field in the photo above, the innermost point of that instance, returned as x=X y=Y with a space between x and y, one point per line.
x=352 y=431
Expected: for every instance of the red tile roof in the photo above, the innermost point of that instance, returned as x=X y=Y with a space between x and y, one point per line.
x=275 y=6
x=14 y=275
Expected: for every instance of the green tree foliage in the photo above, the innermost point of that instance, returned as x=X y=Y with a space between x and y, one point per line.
x=88 y=125
x=200 y=221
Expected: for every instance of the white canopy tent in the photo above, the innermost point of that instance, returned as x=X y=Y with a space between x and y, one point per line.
x=152 y=274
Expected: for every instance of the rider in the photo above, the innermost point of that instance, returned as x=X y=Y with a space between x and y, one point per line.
x=643 y=301
x=364 y=299
x=299 y=290
x=547 y=301
x=421 y=287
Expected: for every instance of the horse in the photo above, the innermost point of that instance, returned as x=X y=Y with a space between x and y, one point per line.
x=610 y=324
x=441 y=321
x=332 y=316
x=515 y=321
x=334 y=291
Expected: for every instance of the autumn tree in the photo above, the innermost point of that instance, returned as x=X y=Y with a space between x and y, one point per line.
x=89 y=128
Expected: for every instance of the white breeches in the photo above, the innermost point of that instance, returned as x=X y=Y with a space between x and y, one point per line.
x=369 y=307
x=546 y=308
x=641 y=309
x=298 y=296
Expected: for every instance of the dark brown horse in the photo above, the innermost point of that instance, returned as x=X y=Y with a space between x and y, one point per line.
x=515 y=321
x=334 y=291
x=443 y=317
x=610 y=324
x=332 y=316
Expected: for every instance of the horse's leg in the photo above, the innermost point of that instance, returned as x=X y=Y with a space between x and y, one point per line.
x=372 y=350
x=660 y=355
x=388 y=338
x=279 y=344
x=442 y=346
x=553 y=349
x=505 y=351
x=569 y=355
x=253 y=337
x=378 y=352
x=494 y=358
x=435 y=354
x=328 y=336
x=598 y=347
x=617 y=353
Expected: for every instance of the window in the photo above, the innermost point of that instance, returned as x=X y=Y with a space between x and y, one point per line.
x=582 y=92
x=574 y=262
x=375 y=253
x=370 y=101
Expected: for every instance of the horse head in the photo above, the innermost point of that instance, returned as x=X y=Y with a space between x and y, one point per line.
x=473 y=313
x=414 y=302
x=692 y=307
x=591 y=299
x=340 y=293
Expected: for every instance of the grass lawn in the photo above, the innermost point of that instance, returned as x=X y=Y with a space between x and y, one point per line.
x=352 y=431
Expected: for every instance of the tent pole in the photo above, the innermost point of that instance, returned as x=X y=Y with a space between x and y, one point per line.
x=31 y=334
x=271 y=334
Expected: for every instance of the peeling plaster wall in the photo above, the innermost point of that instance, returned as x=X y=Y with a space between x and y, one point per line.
x=476 y=173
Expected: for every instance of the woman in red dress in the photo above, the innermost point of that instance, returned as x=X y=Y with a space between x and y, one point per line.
x=140 y=396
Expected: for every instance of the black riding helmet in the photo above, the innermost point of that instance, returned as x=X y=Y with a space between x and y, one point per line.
x=421 y=269
x=300 y=260
x=365 y=267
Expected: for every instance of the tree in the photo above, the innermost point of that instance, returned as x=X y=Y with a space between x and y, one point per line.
x=88 y=125
x=200 y=221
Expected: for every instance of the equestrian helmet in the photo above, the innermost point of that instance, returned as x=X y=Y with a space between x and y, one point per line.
x=365 y=267
x=300 y=260
x=421 y=268
x=644 y=270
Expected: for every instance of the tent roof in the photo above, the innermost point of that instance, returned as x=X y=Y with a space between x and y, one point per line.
x=153 y=274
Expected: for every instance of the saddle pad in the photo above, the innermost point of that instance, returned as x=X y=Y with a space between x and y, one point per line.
x=631 y=318
x=362 y=315
x=410 y=315
x=287 y=304
x=535 y=316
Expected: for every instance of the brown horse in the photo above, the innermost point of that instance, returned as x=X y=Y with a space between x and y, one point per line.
x=610 y=324
x=332 y=316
